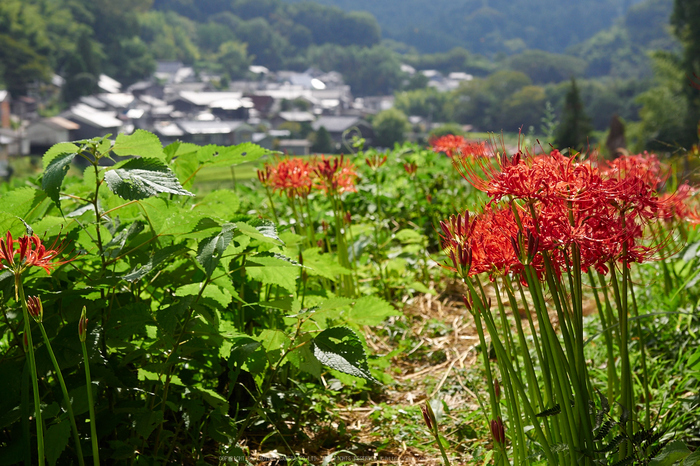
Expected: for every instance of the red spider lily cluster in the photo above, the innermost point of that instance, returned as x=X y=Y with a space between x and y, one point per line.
x=296 y=177
x=452 y=145
x=30 y=252
x=558 y=205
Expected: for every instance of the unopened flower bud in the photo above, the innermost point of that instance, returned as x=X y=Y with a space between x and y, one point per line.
x=82 y=326
x=498 y=430
x=426 y=417
x=497 y=389
x=35 y=308
x=429 y=416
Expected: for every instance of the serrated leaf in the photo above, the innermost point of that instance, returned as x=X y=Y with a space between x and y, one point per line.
x=222 y=204
x=58 y=149
x=143 y=177
x=147 y=421
x=263 y=230
x=273 y=270
x=57 y=437
x=670 y=454
x=140 y=143
x=341 y=349
x=212 y=292
x=24 y=202
x=214 y=156
x=156 y=259
x=371 y=310
x=693 y=459
x=211 y=249
x=303 y=358
x=323 y=265
x=54 y=174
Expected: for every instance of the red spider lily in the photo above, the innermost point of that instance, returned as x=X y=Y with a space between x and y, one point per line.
x=453 y=145
x=291 y=176
x=31 y=252
x=483 y=243
x=675 y=206
x=410 y=168
x=375 y=161
x=336 y=175
x=264 y=175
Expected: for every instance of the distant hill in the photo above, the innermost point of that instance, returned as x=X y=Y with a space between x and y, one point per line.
x=489 y=26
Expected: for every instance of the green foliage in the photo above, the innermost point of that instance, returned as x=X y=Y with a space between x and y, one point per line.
x=323 y=143
x=543 y=67
x=188 y=301
x=390 y=127
x=574 y=128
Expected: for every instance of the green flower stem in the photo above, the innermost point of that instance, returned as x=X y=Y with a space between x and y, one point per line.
x=556 y=356
x=32 y=367
x=500 y=352
x=272 y=205
x=91 y=406
x=611 y=374
x=519 y=447
x=436 y=434
x=66 y=397
x=642 y=350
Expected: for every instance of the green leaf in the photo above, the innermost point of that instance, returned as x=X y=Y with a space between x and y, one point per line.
x=371 y=310
x=215 y=156
x=57 y=437
x=211 y=249
x=692 y=459
x=275 y=342
x=671 y=453
x=143 y=177
x=24 y=202
x=323 y=265
x=408 y=236
x=273 y=270
x=155 y=260
x=54 y=174
x=222 y=204
x=303 y=358
x=140 y=143
x=262 y=230
x=58 y=149
x=341 y=349
x=212 y=292
x=147 y=421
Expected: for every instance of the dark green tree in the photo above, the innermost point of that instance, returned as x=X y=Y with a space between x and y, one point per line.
x=390 y=127
x=575 y=126
x=686 y=22
x=323 y=143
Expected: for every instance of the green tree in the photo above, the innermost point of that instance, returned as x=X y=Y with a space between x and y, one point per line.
x=544 y=67
x=686 y=22
x=323 y=143
x=233 y=59
x=575 y=127
x=428 y=103
x=390 y=127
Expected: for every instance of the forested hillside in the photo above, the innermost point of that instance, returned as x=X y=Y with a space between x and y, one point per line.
x=490 y=26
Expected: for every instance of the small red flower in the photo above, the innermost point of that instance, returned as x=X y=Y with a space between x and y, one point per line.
x=336 y=175
x=410 y=168
x=30 y=252
x=375 y=160
x=290 y=176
